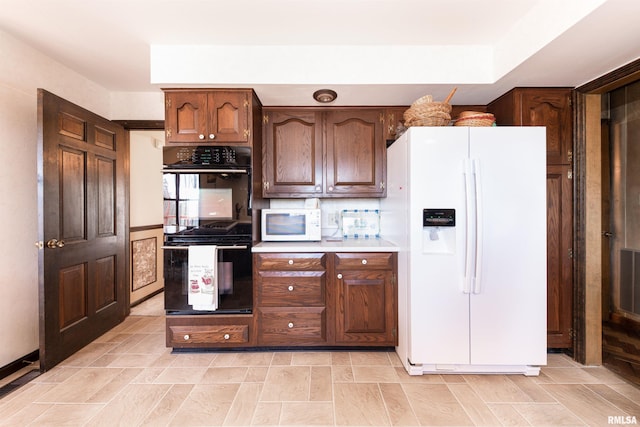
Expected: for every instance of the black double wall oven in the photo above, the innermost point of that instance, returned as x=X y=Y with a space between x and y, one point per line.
x=207 y=201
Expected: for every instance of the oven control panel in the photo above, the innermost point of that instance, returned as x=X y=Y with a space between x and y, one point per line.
x=200 y=156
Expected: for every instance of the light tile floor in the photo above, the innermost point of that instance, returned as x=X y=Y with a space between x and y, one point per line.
x=128 y=377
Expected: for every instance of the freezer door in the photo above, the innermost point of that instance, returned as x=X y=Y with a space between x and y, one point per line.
x=438 y=304
x=508 y=303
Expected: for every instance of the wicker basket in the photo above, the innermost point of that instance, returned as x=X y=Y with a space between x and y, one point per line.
x=475 y=120
x=423 y=113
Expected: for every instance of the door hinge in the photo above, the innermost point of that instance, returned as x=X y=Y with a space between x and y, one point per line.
x=570 y=174
x=246 y=103
x=381 y=118
x=168 y=103
x=168 y=132
x=571 y=333
x=381 y=185
x=394 y=332
x=265 y=119
x=247 y=133
x=570 y=253
x=266 y=185
x=569 y=100
x=569 y=156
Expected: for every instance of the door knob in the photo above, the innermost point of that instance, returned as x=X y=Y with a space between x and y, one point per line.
x=607 y=234
x=55 y=243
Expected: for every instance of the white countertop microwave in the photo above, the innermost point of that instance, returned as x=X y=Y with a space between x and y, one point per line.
x=291 y=225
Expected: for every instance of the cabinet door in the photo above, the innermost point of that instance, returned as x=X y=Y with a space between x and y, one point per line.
x=356 y=154
x=393 y=117
x=366 y=310
x=185 y=116
x=559 y=260
x=550 y=108
x=228 y=116
x=292 y=162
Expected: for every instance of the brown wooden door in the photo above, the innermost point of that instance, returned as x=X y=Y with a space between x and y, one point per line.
x=355 y=154
x=186 y=117
x=84 y=217
x=228 y=116
x=292 y=164
x=559 y=256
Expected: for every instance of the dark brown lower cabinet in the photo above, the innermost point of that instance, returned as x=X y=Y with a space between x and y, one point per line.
x=325 y=299
x=366 y=307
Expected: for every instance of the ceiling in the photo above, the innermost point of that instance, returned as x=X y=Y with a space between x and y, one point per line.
x=372 y=52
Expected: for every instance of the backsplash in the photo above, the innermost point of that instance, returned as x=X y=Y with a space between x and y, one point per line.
x=331 y=209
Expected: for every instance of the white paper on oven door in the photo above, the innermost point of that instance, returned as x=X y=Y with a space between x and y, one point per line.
x=203 y=277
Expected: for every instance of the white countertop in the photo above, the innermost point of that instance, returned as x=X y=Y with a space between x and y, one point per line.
x=328 y=245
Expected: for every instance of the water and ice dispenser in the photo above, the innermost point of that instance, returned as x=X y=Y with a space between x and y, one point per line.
x=439 y=231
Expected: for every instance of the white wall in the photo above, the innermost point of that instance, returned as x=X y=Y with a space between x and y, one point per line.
x=146 y=209
x=146 y=178
x=22 y=71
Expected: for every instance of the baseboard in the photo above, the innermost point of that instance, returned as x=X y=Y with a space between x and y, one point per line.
x=18 y=364
x=151 y=295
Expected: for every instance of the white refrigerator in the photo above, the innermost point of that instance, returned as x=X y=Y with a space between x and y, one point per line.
x=467 y=208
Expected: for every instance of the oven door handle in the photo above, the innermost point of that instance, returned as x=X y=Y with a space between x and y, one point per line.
x=186 y=248
x=204 y=171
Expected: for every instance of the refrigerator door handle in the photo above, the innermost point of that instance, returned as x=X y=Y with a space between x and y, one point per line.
x=477 y=279
x=469 y=247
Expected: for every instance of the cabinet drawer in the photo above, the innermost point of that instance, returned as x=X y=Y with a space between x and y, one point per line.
x=364 y=261
x=291 y=326
x=290 y=289
x=290 y=261
x=209 y=331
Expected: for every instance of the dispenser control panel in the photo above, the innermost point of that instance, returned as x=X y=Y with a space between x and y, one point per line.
x=438 y=217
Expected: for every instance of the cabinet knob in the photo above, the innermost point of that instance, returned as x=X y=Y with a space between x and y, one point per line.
x=290 y=325
x=226 y=336
x=290 y=262
x=201 y=136
x=330 y=188
x=290 y=288
x=364 y=261
x=318 y=188
x=186 y=337
x=212 y=136
x=339 y=275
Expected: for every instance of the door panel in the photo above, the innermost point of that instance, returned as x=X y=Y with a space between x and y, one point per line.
x=512 y=247
x=72 y=200
x=436 y=295
x=84 y=214
x=106 y=209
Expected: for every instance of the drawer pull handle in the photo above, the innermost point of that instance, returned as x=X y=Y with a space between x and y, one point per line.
x=290 y=288
x=339 y=275
x=364 y=261
x=186 y=337
x=226 y=336
x=290 y=325
x=290 y=262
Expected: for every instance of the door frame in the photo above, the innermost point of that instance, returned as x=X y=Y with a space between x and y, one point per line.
x=588 y=211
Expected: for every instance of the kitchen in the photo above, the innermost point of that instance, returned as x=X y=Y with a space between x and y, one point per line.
x=21 y=111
